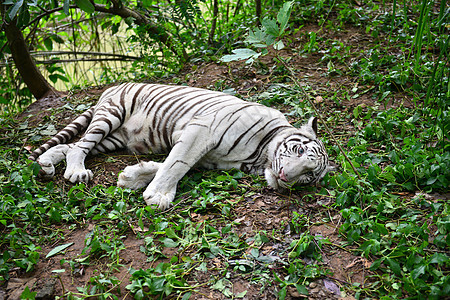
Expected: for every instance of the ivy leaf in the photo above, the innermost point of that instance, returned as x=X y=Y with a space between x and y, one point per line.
x=417 y=272
x=27 y=294
x=395 y=267
x=85 y=5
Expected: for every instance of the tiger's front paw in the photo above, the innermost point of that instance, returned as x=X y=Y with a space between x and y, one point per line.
x=79 y=175
x=162 y=200
x=132 y=179
x=47 y=169
x=138 y=176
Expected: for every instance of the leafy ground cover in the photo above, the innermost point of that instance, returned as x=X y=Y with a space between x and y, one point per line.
x=380 y=233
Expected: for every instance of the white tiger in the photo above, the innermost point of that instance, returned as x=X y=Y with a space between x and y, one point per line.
x=196 y=127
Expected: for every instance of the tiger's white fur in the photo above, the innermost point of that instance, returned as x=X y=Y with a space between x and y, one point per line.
x=196 y=127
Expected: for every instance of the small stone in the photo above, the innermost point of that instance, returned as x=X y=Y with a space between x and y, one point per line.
x=319 y=99
x=47 y=291
x=293 y=292
x=313 y=285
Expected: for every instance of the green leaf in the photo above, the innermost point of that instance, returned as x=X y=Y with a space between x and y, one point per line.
x=14 y=9
x=85 y=5
x=278 y=45
x=27 y=294
x=282 y=293
x=302 y=289
x=59 y=271
x=417 y=272
x=48 y=44
x=169 y=243
x=271 y=27
x=376 y=264
x=240 y=54
x=257 y=38
x=395 y=267
x=439 y=258
x=171 y=233
x=254 y=252
x=284 y=15
x=58 y=249
x=66 y=7
x=241 y=295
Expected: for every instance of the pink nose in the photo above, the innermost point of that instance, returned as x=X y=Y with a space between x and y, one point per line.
x=282 y=175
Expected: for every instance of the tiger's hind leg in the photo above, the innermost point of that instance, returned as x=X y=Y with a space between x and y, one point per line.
x=139 y=175
x=50 y=158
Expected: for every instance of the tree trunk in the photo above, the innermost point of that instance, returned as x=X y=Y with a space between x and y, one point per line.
x=25 y=64
x=258 y=11
x=214 y=22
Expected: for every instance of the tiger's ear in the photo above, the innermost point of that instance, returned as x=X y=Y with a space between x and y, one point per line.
x=311 y=127
x=312 y=122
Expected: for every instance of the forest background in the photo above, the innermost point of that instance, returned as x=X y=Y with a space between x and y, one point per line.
x=376 y=72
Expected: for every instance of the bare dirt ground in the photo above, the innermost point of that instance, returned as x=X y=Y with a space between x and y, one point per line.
x=265 y=210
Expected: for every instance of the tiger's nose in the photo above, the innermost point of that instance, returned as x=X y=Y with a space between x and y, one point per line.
x=282 y=175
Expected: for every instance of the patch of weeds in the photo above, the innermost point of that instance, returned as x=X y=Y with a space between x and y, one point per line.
x=165 y=279
x=402 y=235
x=102 y=243
x=302 y=266
x=24 y=212
x=214 y=190
x=99 y=287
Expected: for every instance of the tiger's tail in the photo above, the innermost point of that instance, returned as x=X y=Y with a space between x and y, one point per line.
x=66 y=134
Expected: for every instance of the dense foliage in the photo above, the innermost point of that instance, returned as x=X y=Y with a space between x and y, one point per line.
x=394 y=210
x=128 y=39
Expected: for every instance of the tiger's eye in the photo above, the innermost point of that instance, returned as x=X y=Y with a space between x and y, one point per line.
x=301 y=151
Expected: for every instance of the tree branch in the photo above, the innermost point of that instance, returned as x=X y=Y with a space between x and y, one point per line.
x=125 y=12
x=47 y=53
x=139 y=19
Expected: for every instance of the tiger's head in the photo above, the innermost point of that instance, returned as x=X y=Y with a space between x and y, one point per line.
x=298 y=158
